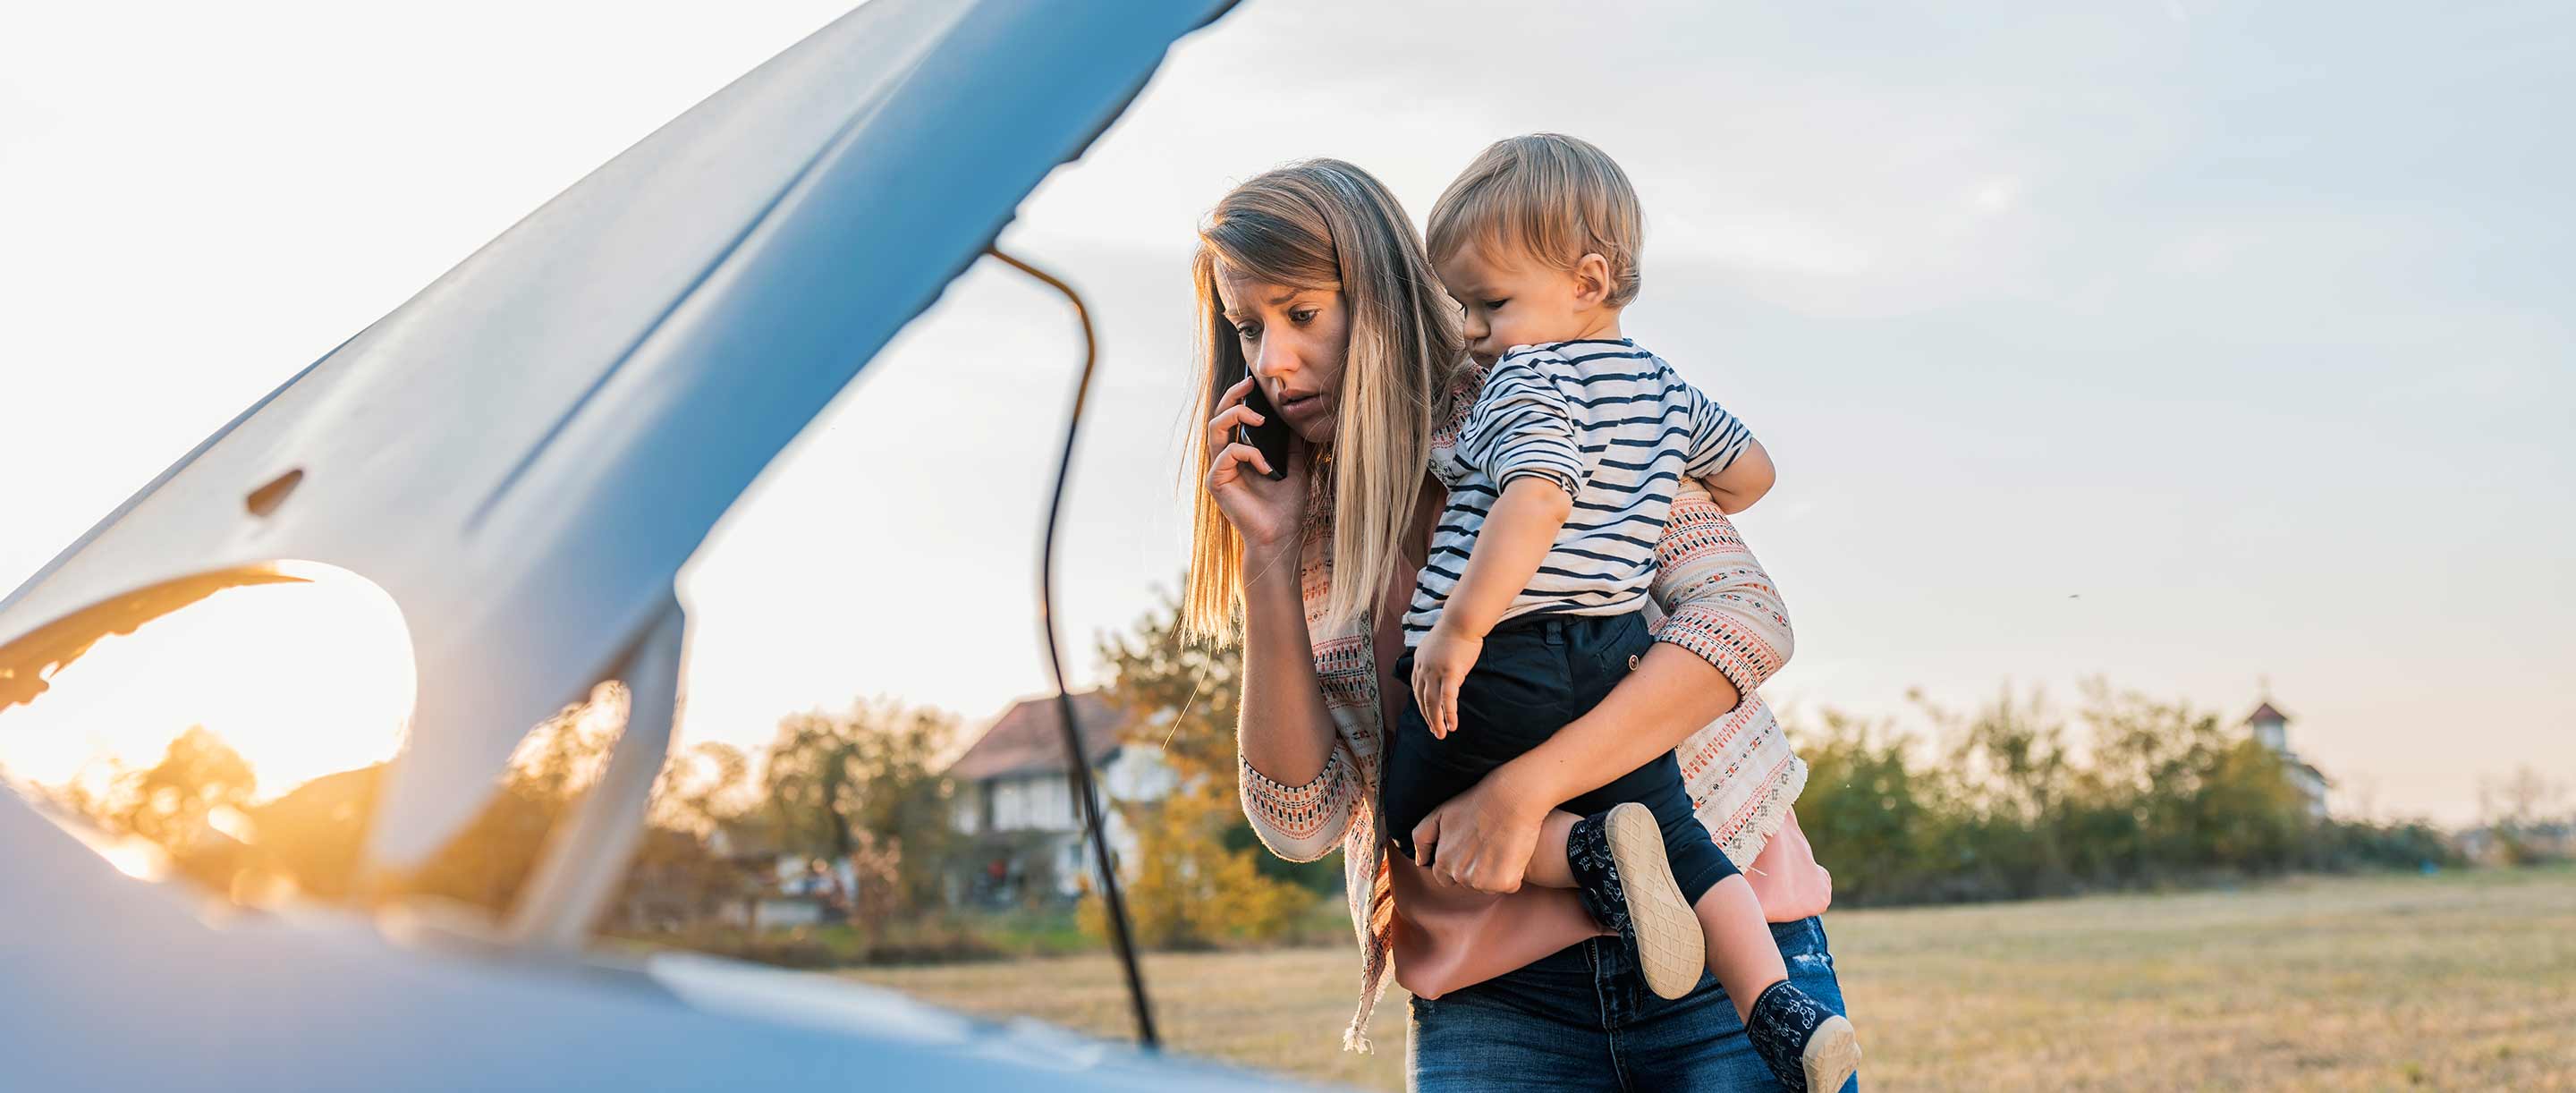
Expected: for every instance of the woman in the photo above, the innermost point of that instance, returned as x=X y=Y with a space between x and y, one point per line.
x=1313 y=285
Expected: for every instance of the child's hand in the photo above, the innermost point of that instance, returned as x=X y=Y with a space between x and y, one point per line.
x=1440 y=664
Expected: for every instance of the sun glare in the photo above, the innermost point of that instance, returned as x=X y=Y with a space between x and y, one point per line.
x=302 y=678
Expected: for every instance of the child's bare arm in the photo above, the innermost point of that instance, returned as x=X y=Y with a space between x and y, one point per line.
x=1724 y=456
x=1744 y=481
x=1517 y=534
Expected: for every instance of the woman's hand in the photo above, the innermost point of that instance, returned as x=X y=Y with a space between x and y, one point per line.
x=1266 y=513
x=1483 y=838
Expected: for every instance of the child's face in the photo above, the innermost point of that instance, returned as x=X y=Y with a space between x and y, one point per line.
x=1514 y=301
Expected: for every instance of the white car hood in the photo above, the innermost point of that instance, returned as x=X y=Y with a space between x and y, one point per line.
x=524 y=454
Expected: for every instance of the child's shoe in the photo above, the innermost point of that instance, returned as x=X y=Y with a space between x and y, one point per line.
x=1626 y=881
x=1811 y=1049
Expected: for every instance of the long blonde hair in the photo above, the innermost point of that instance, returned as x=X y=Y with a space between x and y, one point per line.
x=1324 y=224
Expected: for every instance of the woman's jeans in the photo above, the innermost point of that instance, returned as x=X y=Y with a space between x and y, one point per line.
x=1583 y=1020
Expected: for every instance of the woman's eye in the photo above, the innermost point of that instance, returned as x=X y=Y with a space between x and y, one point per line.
x=1495 y=305
x=1301 y=318
x=1247 y=333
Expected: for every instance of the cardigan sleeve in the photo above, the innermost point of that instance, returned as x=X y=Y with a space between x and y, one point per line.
x=1718 y=602
x=1302 y=823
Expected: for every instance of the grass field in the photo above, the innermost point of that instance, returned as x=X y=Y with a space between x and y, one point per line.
x=2462 y=981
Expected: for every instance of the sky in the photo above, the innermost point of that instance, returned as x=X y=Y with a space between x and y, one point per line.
x=2202 y=348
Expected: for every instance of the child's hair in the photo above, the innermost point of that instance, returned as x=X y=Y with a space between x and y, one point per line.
x=1549 y=197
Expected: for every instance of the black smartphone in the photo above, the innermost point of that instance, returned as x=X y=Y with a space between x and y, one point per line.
x=1270 y=438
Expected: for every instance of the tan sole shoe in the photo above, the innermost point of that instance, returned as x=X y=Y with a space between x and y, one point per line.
x=1670 y=948
x=1832 y=1056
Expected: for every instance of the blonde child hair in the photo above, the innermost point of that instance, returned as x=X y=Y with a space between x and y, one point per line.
x=1547 y=197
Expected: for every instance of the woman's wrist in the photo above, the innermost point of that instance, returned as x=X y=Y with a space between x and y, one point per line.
x=1274 y=596
x=1522 y=786
x=1267 y=562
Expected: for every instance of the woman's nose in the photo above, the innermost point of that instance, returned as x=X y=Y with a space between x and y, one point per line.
x=1274 y=360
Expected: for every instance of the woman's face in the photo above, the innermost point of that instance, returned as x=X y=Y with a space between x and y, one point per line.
x=1295 y=340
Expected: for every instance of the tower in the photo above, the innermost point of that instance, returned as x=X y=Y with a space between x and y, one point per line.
x=2271 y=728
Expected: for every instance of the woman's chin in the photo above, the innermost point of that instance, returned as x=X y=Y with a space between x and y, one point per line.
x=1316 y=434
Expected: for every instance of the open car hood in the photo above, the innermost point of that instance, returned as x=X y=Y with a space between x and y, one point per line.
x=525 y=453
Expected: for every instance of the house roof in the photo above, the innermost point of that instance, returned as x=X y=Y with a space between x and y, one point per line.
x=2265 y=712
x=1029 y=737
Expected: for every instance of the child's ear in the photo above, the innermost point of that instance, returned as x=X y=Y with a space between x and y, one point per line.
x=1592 y=280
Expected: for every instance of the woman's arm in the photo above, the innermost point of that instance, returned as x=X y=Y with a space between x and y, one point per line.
x=1298 y=788
x=1727 y=632
x=1296 y=785
x=1721 y=604
x=1284 y=731
x=1285 y=727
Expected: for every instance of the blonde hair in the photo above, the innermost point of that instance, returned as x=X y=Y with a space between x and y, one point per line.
x=1325 y=224
x=1549 y=197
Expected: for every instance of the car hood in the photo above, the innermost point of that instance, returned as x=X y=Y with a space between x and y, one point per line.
x=525 y=453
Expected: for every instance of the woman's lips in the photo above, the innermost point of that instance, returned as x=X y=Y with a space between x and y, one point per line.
x=1294 y=405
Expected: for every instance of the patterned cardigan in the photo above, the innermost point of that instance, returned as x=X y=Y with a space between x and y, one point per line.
x=1741 y=774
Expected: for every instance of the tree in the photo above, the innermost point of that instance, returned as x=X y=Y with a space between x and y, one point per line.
x=560 y=757
x=2133 y=791
x=2250 y=816
x=488 y=862
x=2141 y=797
x=1881 y=818
x=677 y=879
x=2011 y=769
x=701 y=788
x=1198 y=877
x=859 y=787
x=172 y=801
x=2520 y=812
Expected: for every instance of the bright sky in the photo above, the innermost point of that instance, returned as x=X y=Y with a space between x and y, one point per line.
x=301 y=679
x=2186 y=345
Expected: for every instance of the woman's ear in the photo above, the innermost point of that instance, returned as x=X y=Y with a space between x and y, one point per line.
x=1592 y=280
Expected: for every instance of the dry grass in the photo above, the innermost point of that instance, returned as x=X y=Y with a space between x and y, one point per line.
x=2465 y=981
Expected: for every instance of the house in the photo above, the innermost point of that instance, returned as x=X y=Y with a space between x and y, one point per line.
x=2271 y=729
x=1013 y=798
x=775 y=889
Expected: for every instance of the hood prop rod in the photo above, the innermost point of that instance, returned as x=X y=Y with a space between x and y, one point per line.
x=1077 y=765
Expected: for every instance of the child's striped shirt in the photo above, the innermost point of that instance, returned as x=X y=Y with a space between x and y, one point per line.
x=1612 y=424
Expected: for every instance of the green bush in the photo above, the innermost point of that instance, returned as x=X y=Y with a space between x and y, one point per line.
x=2000 y=803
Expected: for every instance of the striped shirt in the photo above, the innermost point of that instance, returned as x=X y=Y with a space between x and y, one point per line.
x=1612 y=424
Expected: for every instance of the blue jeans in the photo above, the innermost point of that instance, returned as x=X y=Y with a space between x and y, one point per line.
x=1582 y=1019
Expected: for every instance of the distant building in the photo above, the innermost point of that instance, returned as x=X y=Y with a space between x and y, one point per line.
x=779 y=889
x=1014 y=799
x=2271 y=729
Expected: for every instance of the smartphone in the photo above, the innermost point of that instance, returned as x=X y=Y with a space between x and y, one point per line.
x=1270 y=438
